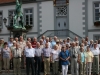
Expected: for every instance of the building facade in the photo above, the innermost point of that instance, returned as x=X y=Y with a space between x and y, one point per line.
x=78 y=16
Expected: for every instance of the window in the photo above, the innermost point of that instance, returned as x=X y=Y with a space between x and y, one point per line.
x=28 y=13
x=11 y=13
x=1 y=21
x=61 y=11
x=97 y=37
x=97 y=11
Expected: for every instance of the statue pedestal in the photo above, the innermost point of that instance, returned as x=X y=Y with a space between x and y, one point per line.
x=19 y=32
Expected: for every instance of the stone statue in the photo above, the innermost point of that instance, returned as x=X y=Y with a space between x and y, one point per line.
x=18 y=18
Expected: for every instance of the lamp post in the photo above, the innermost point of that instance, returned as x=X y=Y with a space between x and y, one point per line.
x=5 y=21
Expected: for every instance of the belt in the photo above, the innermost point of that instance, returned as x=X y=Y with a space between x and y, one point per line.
x=37 y=56
x=47 y=57
x=17 y=57
x=96 y=55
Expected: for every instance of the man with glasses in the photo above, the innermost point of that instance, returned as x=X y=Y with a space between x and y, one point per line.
x=74 y=57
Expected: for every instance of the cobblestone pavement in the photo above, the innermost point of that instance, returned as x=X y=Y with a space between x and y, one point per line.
x=23 y=73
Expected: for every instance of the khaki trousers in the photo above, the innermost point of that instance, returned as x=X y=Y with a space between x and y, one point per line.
x=96 y=64
x=6 y=63
x=17 y=65
x=55 y=67
x=46 y=65
x=82 y=68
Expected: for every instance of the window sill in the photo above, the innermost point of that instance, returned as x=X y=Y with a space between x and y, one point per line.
x=97 y=23
x=28 y=26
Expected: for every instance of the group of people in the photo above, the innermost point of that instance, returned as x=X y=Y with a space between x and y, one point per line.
x=81 y=57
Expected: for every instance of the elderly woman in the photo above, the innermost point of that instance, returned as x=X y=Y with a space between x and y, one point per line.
x=64 y=56
x=89 y=59
x=6 y=53
x=82 y=61
x=55 y=59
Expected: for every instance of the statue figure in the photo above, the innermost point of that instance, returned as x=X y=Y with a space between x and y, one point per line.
x=18 y=14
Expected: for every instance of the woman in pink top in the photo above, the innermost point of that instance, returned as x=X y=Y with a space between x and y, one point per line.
x=89 y=60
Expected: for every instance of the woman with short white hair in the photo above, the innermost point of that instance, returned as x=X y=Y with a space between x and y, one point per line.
x=64 y=56
x=89 y=60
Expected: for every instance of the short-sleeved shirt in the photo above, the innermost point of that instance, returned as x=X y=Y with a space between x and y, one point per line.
x=10 y=44
x=95 y=51
x=29 y=52
x=64 y=55
x=89 y=56
x=55 y=54
x=17 y=52
x=6 y=53
x=38 y=52
x=82 y=56
x=46 y=52
x=12 y=48
x=22 y=44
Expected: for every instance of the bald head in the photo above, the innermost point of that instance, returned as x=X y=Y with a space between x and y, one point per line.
x=37 y=44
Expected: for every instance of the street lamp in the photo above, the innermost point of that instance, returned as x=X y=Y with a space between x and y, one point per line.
x=5 y=21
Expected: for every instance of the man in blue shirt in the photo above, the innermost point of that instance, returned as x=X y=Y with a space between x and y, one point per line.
x=64 y=56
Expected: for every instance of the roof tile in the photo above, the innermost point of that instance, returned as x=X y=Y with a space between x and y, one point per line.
x=6 y=1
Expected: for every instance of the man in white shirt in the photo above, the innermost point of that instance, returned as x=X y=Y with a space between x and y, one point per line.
x=96 y=54
x=29 y=55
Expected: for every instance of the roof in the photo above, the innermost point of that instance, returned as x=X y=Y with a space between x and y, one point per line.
x=6 y=1
x=10 y=2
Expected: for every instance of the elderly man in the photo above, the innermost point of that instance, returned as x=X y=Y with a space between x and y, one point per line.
x=38 y=59
x=10 y=43
x=34 y=42
x=12 y=48
x=46 y=56
x=74 y=57
x=29 y=56
x=96 y=53
x=47 y=41
x=17 y=53
x=22 y=44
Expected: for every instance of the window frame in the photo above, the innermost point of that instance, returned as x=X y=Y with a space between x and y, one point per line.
x=2 y=18
x=94 y=20
x=12 y=15
x=95 y=35
x=32 y=15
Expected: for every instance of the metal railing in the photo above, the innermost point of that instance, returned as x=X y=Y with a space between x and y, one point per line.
x=60 y=33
